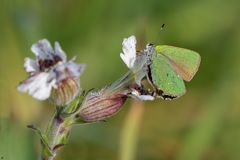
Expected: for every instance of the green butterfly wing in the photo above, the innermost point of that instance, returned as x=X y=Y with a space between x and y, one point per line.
x=184 y=61
x=165 y=78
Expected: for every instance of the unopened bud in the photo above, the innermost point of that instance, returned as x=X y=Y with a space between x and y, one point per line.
x=98 y=106
x=66 y=91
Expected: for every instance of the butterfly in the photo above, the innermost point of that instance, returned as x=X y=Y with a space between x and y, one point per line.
x=169 y=67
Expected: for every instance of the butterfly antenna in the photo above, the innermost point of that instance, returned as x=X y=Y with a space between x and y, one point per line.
x=161 y=29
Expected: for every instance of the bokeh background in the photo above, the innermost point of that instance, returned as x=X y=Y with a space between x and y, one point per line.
x=204 y=124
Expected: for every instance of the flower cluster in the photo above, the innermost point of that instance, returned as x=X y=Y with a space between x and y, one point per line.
x=51 y=74
x=52 y=77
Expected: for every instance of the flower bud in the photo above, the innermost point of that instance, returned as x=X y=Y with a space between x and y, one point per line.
x=65 y=92
x=98 y=106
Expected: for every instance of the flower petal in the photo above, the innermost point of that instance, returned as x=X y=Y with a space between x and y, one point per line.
x=136 y=94
x=146 y=98
x=38 y=86
x=43 y=49
x=125 y=59
x=59 y=52
x=30 y=65
x=67 y=70
x=129 y=51
x=75 y=69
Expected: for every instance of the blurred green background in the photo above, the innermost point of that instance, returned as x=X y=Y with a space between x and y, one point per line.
x=204 y=124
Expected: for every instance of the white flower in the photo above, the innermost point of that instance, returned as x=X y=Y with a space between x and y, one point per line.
x=51 y=71
x=141 y=97
x=129 y=51
x=137 y=64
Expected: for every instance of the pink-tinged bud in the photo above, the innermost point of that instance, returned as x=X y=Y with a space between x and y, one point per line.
x=98 y=106
x=65 y=92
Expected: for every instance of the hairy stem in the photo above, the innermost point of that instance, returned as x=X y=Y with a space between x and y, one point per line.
x=56 y=134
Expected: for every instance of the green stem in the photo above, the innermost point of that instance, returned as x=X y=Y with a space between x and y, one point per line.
x=122 y=83
x=130 y=132
x=59 y=126
x=56 y=136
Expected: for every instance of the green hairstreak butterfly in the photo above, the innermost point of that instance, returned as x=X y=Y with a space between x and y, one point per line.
x=168 y=68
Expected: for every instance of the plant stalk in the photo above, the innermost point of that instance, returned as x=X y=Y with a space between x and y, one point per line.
x=56 y=134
